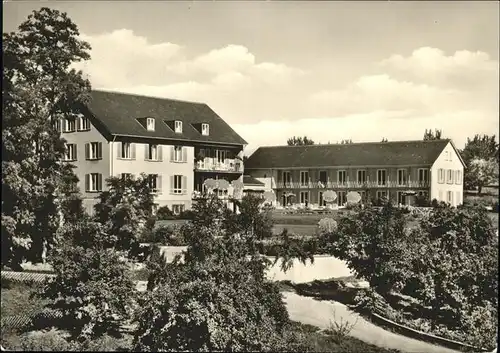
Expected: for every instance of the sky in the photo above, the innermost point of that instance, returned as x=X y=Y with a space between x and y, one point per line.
x=275 y=69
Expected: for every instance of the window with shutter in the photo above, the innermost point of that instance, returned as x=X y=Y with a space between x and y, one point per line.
x=93 y=182
x=177 y=184
x=83 y=124
x=177 y=154
x=94 y=150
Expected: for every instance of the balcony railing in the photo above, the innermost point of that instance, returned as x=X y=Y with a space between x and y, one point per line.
x=352 y=185
x=229 y=165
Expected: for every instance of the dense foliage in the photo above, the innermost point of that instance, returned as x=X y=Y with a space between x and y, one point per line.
x=481 y=160
x=449 y=263
x=123 y=210
x=93 y=287
x=217 y=298
x=38 y=90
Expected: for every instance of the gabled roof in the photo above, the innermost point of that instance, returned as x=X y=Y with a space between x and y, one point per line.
x=118 y=113
x=354 y=154
x=249 y=180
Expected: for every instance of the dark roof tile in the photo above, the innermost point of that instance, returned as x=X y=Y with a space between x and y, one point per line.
x=249 y=180
x=119 y=112
x=355 y=154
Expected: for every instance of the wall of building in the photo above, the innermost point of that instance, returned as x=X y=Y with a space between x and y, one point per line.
x=165 y=168
x=439 y=191
x=267 y=176
x=272 y=178
x=83 y=166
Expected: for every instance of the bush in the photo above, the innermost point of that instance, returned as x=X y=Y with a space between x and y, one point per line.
x=219 y=299
x=170 y=235
x=92 y=287
x=52 y=340
x=164 y=213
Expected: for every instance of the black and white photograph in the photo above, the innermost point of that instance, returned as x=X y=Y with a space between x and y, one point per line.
x=250 y=176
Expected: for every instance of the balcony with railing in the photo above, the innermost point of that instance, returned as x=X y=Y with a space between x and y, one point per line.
x=353 y=185
x=214 y=165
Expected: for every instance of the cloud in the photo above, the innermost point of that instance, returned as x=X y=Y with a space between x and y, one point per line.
x=122 y=58
x=464 y=69
x=381 y=92
x=267 y=102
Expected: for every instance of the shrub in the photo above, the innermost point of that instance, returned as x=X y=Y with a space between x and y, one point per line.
x=124 y=209
x=164 y=213
x=170 y=235
x=92 y=287
x=219 y=299
x=340 y=329
x=51 y=340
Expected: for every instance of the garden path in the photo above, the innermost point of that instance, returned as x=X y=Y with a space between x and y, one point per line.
x=319 y=313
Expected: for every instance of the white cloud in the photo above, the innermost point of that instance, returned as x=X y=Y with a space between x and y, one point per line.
x=381 y=92
x=268 y=102
x=464 y=69
x=121 y=58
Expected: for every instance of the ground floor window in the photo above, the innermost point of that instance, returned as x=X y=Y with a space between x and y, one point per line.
x=363 y=196
x=381 y=194
x=342 y=198
x=401 y=198
x=450 y=197
x=304 y=197
x=322 y=201
x=177 y=209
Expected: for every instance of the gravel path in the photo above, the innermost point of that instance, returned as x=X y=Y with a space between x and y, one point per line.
x=319 y=313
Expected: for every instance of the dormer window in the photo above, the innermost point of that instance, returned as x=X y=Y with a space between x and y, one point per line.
x=178 y=126
x=205 y=129
x=150 y=124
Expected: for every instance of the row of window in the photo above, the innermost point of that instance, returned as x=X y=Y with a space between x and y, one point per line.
x=453 y=198
x=83 y=124
x=72 y=125
x=93 y=151
x=450 y=176
x=150 y=126
x=342 y=197
x=178 y=183
x=402 y=176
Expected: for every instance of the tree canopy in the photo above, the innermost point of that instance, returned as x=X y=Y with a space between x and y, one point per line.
x=480 y=155
x=39 y=89
x=299 y=141
x=432 y=135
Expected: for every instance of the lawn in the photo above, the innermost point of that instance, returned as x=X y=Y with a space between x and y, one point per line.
x=16 y=301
